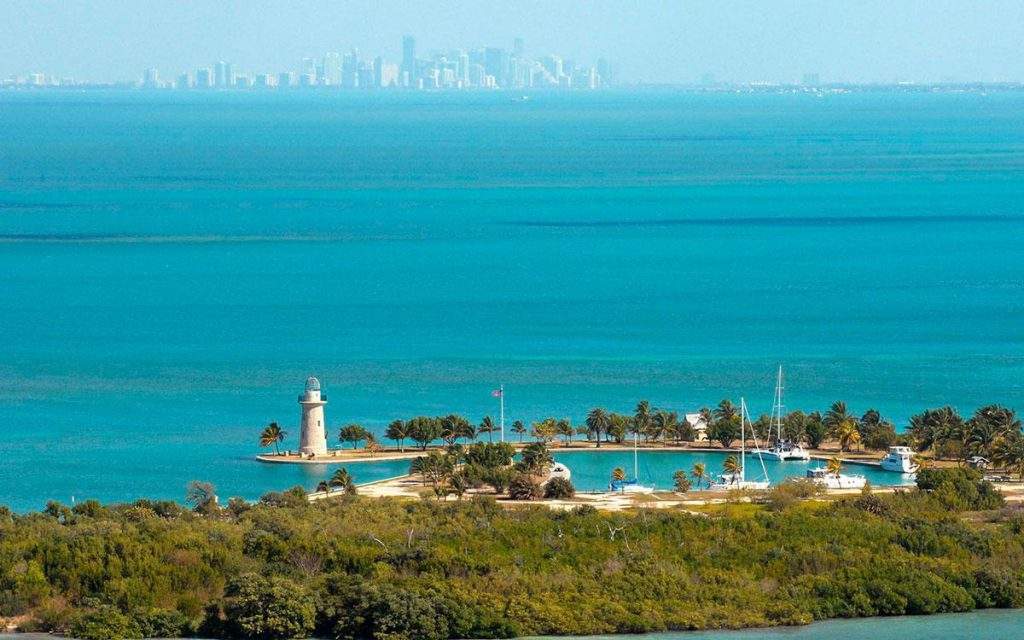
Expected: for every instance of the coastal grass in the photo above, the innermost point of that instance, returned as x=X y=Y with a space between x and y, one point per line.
x=388 y=569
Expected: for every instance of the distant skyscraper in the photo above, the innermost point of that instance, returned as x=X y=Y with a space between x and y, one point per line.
x=496 y=64
x=223 y=73
x=308 y=69
x=409 y=58
x=152 y=79
x=553 y=64
x=605 y=72
x=204 y=78
x=286 y=79
x=332 y=69
x=462 y=68
x=184 y=81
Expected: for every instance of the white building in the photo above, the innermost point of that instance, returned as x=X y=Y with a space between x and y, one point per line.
x=700 y=426
x=312 y=433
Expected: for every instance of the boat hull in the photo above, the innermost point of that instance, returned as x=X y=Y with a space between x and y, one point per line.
x=898 y=466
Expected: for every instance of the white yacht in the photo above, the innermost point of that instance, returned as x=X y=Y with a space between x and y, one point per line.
x=783 y=450
x=738 y=480
x=559 y=470
x=899 y=460
x=822 y=476
x=631 y=485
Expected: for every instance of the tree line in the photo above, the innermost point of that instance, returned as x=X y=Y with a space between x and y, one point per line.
x=992 y=431
x=432 y=570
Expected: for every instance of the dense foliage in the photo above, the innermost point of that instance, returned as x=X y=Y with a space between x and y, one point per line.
x=383 y=568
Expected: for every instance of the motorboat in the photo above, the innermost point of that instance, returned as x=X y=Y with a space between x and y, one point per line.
x=559 y=470
x=899 y=460
x=830 y=480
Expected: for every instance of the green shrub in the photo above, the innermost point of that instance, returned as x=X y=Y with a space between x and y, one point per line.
x=524 y=487
x=559 y=489
x=272 y=608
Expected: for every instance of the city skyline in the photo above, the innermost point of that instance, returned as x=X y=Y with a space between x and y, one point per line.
x=105 y=41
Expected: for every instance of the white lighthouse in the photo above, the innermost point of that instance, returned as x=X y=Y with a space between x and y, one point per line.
x=312 y=435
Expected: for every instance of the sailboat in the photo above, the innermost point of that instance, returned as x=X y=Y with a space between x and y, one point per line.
x=631 y=485
x=739 y=480
x=783 y=449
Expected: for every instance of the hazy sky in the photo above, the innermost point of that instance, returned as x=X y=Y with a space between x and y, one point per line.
x=653 y=41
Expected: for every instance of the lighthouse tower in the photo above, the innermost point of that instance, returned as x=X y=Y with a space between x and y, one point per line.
x=312 y=434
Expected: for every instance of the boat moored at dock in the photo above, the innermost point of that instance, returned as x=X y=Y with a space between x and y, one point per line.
x=899 y=460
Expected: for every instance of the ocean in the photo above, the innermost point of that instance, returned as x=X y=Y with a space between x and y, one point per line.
x=174 y=265
x=976 y=625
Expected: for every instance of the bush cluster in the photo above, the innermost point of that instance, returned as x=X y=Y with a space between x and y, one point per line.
x=392 y=569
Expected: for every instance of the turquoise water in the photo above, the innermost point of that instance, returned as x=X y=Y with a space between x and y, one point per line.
x=172 y=267
x=592 y=470
x=979 y=625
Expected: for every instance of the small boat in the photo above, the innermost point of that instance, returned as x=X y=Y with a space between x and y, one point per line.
x=783 y=450
x=738 y=480
x=559 y=470
x=899 y=460
x=822 y=476
x=631 y=485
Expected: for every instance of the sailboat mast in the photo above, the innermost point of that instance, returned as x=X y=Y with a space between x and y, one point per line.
x=636 y=467
x=777 y=409
x=743 y=439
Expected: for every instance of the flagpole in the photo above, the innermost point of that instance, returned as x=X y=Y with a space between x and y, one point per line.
x=501 y=404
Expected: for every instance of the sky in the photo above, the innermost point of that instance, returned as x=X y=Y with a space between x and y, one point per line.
x=650 y=41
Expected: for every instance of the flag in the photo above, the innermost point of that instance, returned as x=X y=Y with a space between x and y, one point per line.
x=497 y=393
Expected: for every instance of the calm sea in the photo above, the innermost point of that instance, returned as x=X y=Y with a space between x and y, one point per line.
x=978 y=625
x=173 y=266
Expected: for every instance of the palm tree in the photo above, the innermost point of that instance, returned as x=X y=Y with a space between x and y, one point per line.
x=725 y=410
x=836 y=415
x=732 y=466
x=618 y=474
x=487 y=426
x=642 y=418
x=598 y=422
x=1008 y=453
x=834 y=465
x=519 y=428
x=343 y=479
x=847 y=434
x=353 y=433
x=699 y=473
x=324 y=487
x=272 y=435
x=398 y=431
x=564 y=428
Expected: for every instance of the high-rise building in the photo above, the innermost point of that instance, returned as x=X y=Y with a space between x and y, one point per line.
x=553 y=64
x=409 y=59
x=605 y=71
x=286 y=79
x=496 y=63
x=151 y=79
x=184 y=81
x=265 y=81
x=462 y=68
x=350 y=70
x=332 y=69
x=223 y=75
x=308 y=69
x=204 y=78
